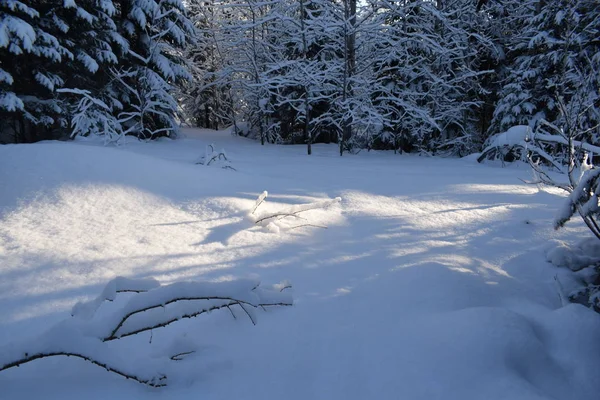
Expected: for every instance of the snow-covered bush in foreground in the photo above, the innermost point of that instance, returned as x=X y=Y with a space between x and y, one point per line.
x=583 y=187
x=151 y=306
x=585 y=257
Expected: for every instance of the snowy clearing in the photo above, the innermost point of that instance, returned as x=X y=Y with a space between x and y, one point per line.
x=430 y=281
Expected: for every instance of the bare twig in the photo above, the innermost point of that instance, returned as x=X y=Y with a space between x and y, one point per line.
x=159 y=382
x=275 y=215
x=297 y=209
x=182 y=355
x=308 y=225
x=259 y=201
x=288 y=286
x=248 y=313
x=231 y=311
x=113 y=335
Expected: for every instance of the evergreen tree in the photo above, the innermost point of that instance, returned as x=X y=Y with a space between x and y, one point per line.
x=31 y=58
x=555 y=67
x=144 y=81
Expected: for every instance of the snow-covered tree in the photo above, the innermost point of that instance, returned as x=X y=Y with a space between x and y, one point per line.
x=89 y=31
x=554 y=53
x=426 y=76
x=30 y=71
x=91 y=66
x=143 y=83
x=206 y=100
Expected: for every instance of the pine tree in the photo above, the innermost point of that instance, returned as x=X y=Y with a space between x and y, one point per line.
x=554 y=54
x=206 y=100
x=30 y=61
x=143 y=83
x=427 y=76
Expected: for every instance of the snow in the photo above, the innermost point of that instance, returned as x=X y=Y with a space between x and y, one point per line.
x=514 y=136
x=10 y=101
x=430 y=281
x=576 y=256
x=119 y=284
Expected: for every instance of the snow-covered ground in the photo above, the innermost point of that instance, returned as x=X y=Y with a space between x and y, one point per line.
x=429 y=283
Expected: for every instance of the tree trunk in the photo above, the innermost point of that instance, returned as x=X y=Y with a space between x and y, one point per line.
x=349 y=65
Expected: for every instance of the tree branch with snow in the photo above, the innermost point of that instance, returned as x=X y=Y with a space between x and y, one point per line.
x=150 y=306
x=269 y=219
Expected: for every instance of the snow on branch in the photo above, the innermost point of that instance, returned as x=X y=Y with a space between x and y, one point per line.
x=150 y=306
x=269 y=219
x=118 y=285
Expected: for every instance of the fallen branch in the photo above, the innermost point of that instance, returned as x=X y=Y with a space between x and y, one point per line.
x=181 y=356
x=291 y=212
x=154 y=382
x=308 y=225
x=114 y=334
x=86 y=333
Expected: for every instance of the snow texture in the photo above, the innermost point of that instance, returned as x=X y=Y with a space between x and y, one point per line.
x=431 y=281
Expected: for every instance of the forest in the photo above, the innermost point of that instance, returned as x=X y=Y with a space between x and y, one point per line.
x=423 y=76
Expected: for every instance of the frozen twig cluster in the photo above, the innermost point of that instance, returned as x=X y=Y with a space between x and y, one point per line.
x=270 y=219
x=150 y=306
x=212 y=157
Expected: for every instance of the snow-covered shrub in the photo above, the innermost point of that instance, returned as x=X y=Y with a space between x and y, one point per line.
x=150 y=306
x=583 y=187
x=583 y=200
x=548 y=145
x=516 y=144
x=584 y=259
x=212 y=157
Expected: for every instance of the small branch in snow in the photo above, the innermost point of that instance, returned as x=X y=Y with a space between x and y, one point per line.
x=231 y=311
x=308 y=225
x=259 y=201
x=181 y=356
x=154 y=382
x=247 y=313
x=561 y=292
x=287 y=286
x=114 y=334
x=290 y=212
x=85 y=335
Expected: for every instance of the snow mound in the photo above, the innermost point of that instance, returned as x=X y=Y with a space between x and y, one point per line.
x=575 y=257
x=515 y=135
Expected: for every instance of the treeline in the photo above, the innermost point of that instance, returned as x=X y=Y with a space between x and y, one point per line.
x=409 y=75
x=106 y=67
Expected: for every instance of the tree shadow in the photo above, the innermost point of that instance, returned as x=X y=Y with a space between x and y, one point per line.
x=223 y=233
